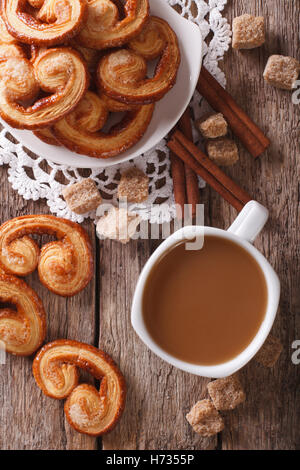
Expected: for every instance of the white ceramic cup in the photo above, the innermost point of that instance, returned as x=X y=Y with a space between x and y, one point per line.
x=243 y=232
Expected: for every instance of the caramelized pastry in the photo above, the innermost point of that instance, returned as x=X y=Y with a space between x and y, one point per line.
x=55 y=22
x=46 y=135
x=122 y=74
x=8 y=45
x=23 y=330
x=55 y=369
x=103 y=28
x=91 y=56
x=80 y=130
x=59 y=72
x=11 y=50
x=65 y=266
x=116 y=106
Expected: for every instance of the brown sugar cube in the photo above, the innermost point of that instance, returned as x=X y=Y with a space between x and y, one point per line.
x=223 y=151
x=118 y=224
x=82 y=197
x=226 y=393
x=269 y=354
x=282 y=71
x=212 y=127
x=133 y=186
x=248 y=32
x=205 y=419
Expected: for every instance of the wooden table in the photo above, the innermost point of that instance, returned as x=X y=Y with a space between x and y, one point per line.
x=159 y=395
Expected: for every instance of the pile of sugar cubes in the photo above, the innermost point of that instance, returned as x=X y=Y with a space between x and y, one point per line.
x=280 y=71
x=227 y=393
x=248 y=33
x=221 y=149
x=117 y=223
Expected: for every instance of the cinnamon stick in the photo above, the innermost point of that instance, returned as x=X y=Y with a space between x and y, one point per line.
x=191 y=179
x=208 y=170
x=178 y=176
x=245 y=129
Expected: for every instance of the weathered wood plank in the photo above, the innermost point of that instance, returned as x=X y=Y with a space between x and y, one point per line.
x=30 y=420
x=159 y=396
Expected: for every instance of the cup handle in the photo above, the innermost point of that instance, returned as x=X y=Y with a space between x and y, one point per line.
x=250 y=221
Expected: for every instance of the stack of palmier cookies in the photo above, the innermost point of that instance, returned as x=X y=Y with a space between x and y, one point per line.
x=66 y=65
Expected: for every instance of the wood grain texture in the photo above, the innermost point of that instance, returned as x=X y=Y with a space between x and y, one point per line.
x=270 y=417
x=158 y=400
x=30 y=420
x=158 y=395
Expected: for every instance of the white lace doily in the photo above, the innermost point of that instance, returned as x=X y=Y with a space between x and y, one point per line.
x=35 y=178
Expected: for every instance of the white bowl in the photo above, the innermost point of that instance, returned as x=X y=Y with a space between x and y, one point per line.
x=167 y=111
